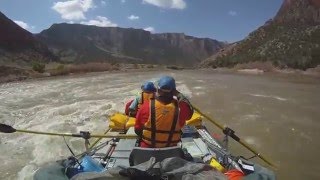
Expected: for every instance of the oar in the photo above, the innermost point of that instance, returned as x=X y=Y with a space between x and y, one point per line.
x=9 y=129
x=233 y=136
x=97 y=140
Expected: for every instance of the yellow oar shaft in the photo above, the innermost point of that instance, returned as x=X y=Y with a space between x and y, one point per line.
x=241 y=142
x=44 y=133
x=256 y=153
x=77 y=135
x=207 y=117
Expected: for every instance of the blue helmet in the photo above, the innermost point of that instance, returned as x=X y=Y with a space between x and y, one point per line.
x=148 y=86
x=167 y=83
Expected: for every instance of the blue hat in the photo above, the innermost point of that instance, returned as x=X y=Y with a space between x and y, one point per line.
x=148 y=86
x=167 y=83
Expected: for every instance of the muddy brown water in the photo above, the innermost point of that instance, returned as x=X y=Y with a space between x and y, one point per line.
x=279 y=115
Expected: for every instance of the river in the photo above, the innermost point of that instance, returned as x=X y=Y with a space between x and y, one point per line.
x=279 y=115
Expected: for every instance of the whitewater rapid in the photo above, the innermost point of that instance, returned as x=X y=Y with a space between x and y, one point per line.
x=277 y=115
x=66 y=105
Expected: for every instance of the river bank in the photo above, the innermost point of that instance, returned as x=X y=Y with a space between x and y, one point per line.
x=267 y=67
x=12 y=74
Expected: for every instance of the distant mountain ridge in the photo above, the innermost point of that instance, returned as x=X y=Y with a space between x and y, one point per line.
x=290 y=40
x=81 y=43
x=18 y=46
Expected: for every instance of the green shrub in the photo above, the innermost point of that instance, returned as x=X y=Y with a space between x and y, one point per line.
x=60 y=67
x=39 y=67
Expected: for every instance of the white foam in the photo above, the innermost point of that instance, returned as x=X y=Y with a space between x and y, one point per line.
x=66 y=105
x=269 y=96
x=199 y=93
x=185 y=90
x=252 y=141
x=250 y=117
x=198 y=87
x=27 y=172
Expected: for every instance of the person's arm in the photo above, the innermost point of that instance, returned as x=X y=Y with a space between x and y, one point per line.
x=141 y=118
x=132 y=111
x=186 y=112
x=126 y=110
x=186 y=109
x=134 y=103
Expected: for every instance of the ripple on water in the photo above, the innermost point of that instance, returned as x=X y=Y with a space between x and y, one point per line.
x=252 y=141
x=198 y=87
x=269 y=96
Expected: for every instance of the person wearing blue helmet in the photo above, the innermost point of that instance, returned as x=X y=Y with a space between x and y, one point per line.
x=148 y=91
x=159 y=121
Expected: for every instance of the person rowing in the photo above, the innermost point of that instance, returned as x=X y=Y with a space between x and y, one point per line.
x=159 y=121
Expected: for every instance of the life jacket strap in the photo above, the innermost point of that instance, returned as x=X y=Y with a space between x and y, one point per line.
x=153 y=123
x=161 y=131
x=174 y=123
x=158 y=141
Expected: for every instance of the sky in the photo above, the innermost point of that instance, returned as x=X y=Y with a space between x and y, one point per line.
x=224 y=20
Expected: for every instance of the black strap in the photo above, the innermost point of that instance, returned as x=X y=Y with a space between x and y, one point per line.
x=157 y=141
x=74 y=156
x=161 y=131
x=153 y=123
x=174 y=123
x=141 y=99
x=229 y=132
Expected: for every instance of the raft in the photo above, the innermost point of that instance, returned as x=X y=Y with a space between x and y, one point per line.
x=199 y=155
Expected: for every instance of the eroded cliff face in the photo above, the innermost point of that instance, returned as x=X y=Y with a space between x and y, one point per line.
x=20 y=46
x=306 y=12
x=290 y=40
x=81 y=43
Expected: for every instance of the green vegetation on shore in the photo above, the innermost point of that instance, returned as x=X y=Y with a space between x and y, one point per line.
x=284 y=47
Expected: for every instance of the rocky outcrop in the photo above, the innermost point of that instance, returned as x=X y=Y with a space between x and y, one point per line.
x=18 y=46
x=81 y=43
x=297 y=12
x=290 y=40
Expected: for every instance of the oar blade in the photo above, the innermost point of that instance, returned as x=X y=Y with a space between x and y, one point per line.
x=6 y=128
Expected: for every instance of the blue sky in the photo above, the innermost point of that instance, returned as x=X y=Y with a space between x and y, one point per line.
x=224 y=20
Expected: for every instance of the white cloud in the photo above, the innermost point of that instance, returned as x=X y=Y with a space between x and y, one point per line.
x=24 y=25
x=73 y=9
x=150 y=29
x=103 y=3
x=174 y=4
x=123 y=1
x=232 y=13
x=133 y=17
x=100 y=21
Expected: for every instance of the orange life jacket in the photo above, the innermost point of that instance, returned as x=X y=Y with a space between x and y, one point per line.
x=145 y=97
x=162 y=128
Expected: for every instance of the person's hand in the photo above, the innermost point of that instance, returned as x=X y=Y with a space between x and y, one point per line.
x=132 y=113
